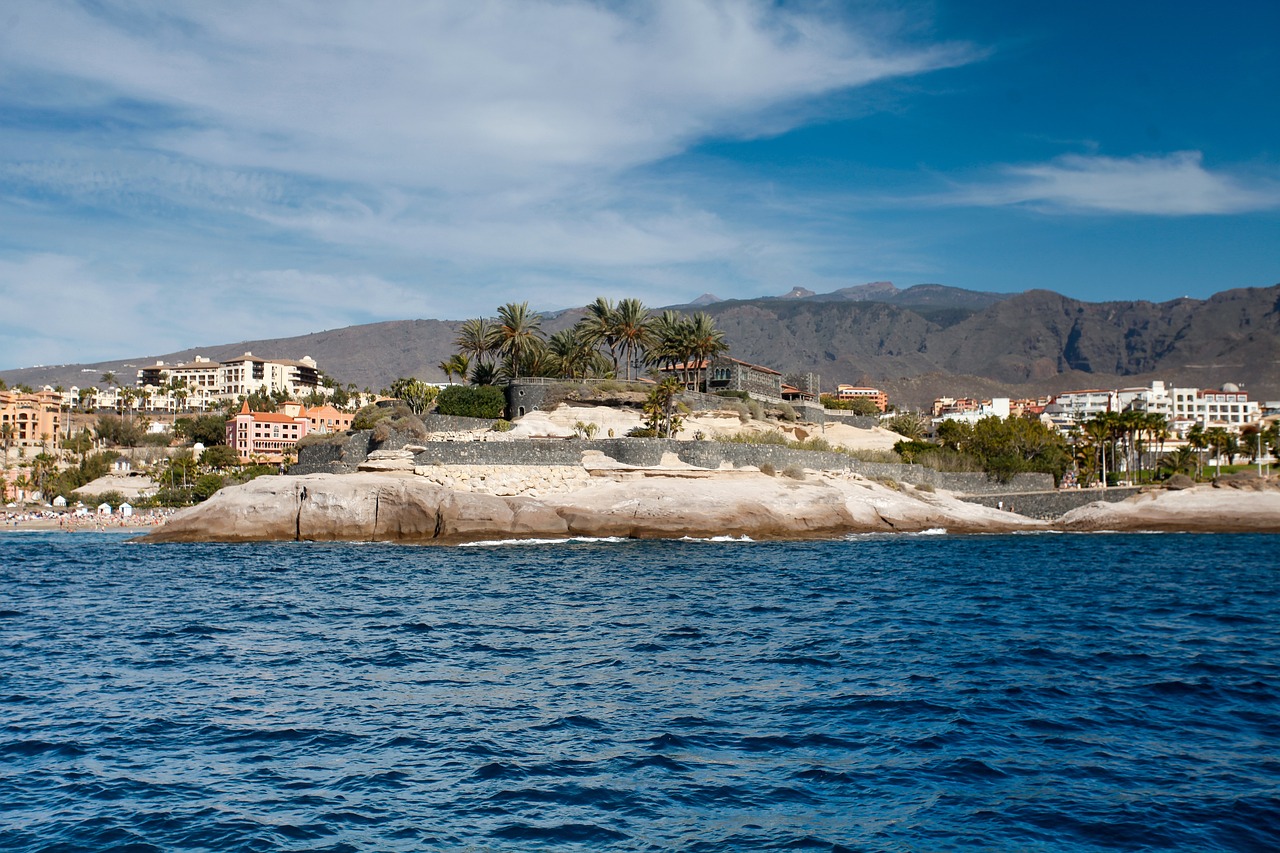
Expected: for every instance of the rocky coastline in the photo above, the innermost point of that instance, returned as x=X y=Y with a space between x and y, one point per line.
x=465 y=504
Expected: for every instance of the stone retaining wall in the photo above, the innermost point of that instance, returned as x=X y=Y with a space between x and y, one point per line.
x=644 y=452
x=454 y=423
x=1050 y=505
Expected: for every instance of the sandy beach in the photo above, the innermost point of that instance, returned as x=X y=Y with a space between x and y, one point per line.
x=19 y=522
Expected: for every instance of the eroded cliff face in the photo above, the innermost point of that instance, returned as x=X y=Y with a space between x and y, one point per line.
x=402 y=507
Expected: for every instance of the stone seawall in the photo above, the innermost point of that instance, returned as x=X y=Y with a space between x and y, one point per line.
x=1054 y=504
x=647 y=452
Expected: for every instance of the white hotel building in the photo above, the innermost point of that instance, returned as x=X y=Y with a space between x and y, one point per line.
x=1229 y=407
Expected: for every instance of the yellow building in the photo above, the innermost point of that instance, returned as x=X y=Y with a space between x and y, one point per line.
x=29 y=420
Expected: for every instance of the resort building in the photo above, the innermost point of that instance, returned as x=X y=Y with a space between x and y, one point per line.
x=203 y=383
x=322 y=419
x=1227 y=407
x=854 y=392
x=29 y=420
x=264 y=436
x=730 y=374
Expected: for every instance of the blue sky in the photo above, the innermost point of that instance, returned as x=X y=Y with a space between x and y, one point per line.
x=181 y=174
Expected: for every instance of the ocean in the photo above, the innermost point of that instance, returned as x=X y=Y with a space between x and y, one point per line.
x=928 y=692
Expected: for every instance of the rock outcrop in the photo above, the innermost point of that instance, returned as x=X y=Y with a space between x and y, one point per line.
x=1246 y=505
x=401 y=507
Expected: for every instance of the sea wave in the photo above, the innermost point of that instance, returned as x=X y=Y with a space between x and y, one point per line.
x=887 y=693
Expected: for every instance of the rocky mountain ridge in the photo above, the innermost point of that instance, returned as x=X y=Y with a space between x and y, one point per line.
x=916 y=342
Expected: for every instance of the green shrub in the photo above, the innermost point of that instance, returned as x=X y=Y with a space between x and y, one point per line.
x=206 y=486
x=910 y=450
x=642 y=432
x=767 y=468
x=155 y=439
x=483 y=401
x=794 y=472
x=502 y=425
x=368 y=417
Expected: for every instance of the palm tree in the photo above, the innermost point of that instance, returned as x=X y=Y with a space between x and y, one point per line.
x=475 y=339
x=1196 y=439
x=517 y=335
x=598 y=327
x=1180 y=461
x=484 y=373
x=632 y=329
x=22 y=483
x=909 y=425
x=1097 y=432
x=455 y=364
x=572 y=355
x=672 y=343
x=708 y=341
x=1220 y=440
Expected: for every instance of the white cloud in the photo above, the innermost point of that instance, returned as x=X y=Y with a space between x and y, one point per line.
x=60 y=309
x=446 y=156
x=1176 y=184
x=461 y=95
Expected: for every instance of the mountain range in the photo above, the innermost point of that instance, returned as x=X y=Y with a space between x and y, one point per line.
x=916 y=343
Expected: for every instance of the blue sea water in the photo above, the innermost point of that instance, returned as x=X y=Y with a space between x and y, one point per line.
x=1043 y=692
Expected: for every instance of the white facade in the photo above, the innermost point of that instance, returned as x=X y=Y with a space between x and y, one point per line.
x=1072 y=407
x=1183 y=407
x=205 y=383
x=995 y=407
x=1229 y=407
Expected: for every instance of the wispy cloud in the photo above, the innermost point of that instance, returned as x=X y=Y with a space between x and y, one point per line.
x=60 y=308
x=1176 y=184
x=453 y=95
x=497 y=141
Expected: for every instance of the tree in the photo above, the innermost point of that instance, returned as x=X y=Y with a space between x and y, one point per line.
x=1221 y=441
x=517 y=334
x=707 y=342
x=475 y=402
x=660 y=409
x=1013 y=445
x=208 y=430
x=455 y=365
x=1196 y=439
x=632 y=329
x=475 y=340
x=1251 y=441
x=952 y=434
x=482 y=373
x=910 y=425
x=205 y=486
x=672 y=342
x=572 y=355
x=416 y=394
x=1180 y=461
x=598 y=327
x=219 y=457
